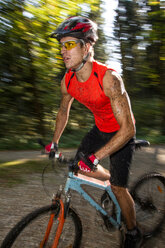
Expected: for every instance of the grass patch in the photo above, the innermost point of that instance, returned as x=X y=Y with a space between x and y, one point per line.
x=12 y=173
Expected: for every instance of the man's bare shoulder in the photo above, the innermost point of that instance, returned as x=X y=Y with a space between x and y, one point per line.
x=66 y=98
x=63 y=86
x=63 y=80
x=112 y=82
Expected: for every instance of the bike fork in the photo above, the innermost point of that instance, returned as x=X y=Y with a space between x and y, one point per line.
x=59 y=228
x=61 y=218
x=60 y=225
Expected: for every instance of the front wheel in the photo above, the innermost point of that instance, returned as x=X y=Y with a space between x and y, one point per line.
x=149 y=197
x=30 y=231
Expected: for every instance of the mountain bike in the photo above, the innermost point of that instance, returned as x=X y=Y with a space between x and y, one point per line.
x=59 y=225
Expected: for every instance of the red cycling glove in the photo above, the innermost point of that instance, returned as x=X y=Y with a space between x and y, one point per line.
x=48 y=148
x=51 y=147
x=87 y=167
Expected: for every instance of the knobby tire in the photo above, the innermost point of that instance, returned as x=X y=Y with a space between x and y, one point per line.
x=149 y=197
x=30 y=231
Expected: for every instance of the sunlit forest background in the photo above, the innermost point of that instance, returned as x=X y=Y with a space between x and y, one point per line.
x=31 y=67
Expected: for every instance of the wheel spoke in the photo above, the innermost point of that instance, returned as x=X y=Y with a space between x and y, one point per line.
x=149 y=197
x=30 y=231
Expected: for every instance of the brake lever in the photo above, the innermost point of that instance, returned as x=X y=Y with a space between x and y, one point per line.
x=40 y=142
x=87 y=161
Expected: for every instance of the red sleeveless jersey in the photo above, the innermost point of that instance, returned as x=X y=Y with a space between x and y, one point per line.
x=91 y=94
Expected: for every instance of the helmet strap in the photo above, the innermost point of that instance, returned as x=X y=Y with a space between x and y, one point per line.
x=82 y=64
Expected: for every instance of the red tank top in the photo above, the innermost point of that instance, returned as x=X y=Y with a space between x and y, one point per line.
x=91 y=94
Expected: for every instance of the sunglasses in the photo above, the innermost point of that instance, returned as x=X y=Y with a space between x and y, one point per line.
x=69 y=44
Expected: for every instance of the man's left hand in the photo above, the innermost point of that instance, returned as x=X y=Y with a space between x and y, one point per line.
x=88 y=164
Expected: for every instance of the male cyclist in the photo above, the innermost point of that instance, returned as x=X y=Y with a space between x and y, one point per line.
x=100 y=89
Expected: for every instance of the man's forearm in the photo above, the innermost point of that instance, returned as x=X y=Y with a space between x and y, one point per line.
x=116 y=143
x=61 y=121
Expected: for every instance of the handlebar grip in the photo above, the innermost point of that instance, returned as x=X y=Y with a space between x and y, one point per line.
x=86 y=160
x=51 y=154
x=40 y=142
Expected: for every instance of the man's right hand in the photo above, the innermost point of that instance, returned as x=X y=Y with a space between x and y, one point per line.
x=51 y=148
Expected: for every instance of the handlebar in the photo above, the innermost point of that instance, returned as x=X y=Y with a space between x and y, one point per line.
x=51 y=154
x=58 y=156
x=72 y=164
x=54 y=163
x=40 y=142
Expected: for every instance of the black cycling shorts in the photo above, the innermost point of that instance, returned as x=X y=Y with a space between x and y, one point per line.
x=120 y=161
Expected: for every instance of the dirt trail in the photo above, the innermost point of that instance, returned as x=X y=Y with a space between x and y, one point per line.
x=21 y=199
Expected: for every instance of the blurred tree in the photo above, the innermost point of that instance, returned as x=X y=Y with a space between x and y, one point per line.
x=32 y=68
x=139 y=29
x=156 y=55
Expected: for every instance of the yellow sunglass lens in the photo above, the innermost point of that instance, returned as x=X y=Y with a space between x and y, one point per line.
x=69 y=44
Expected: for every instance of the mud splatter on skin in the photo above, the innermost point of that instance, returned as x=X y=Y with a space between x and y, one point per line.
x=114 y=88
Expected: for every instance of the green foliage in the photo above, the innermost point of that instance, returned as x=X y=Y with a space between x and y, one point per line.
x=32 y=67
x=139 y=28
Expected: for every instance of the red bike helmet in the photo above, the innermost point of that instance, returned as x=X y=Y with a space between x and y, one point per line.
x=78 y=27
